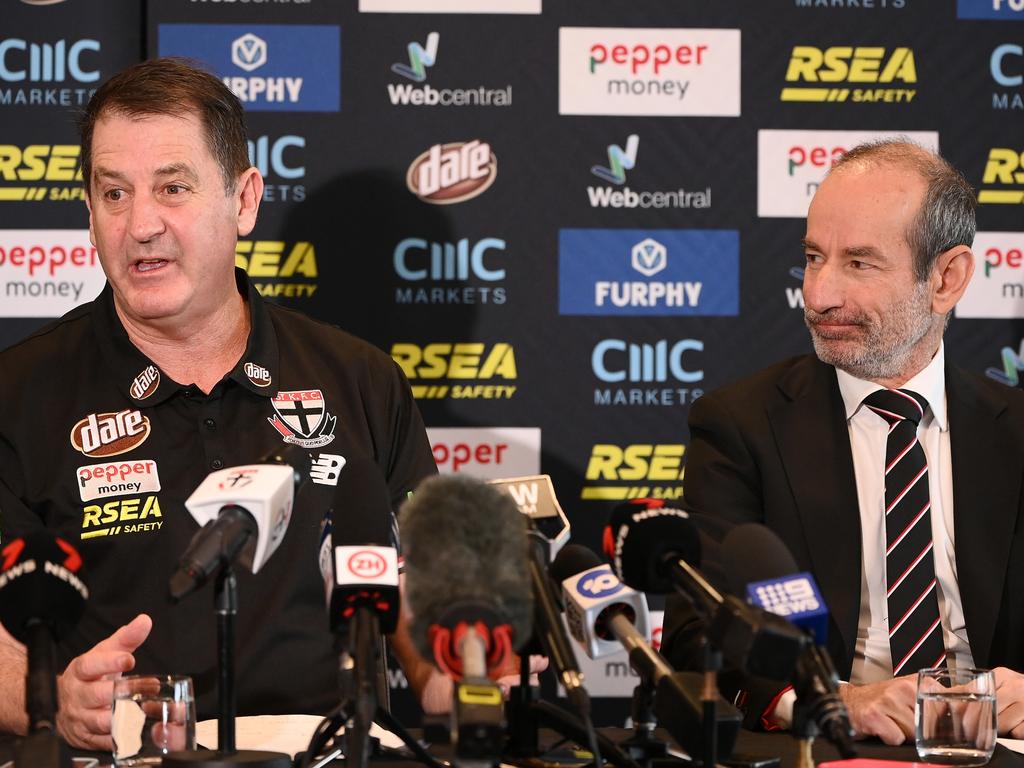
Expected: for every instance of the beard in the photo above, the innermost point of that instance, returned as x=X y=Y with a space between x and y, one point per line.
x=877 y=348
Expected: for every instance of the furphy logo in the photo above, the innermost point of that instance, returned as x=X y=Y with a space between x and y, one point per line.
x=1002 y=182
x=47 y=272
x=488 y=453
x=267 y=66
x=40 y=162
x=637 y=71
x=452 y=173
x=646 y=368
x=110 y=434
x=841 y=67
x=456 y=363
x=279 y=269
x=145 y=384
x=1013 y=364
x=420 y=57
x=621 y=160
x=114 y=518
x=449 y=6
x=997 y=288
x=648 y=272
x=34 y=65
x=1002 y=10
x=791 y=164
x=118 y=479
x=431 y=268
x=1007 y=67
x=613 y=472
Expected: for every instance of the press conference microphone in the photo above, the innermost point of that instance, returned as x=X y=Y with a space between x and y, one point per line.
x=761 y=564
x=244 y=513
x=604 y=615
x=41 y=599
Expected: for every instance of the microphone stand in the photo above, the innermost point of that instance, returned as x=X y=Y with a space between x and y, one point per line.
x=42 y=748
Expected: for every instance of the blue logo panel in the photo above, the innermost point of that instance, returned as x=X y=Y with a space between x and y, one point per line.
x=652 y=272
x=269 y=67
x=988 y=9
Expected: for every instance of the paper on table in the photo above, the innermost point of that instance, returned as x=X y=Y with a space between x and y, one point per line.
x=1017 y=745
x=277 y=733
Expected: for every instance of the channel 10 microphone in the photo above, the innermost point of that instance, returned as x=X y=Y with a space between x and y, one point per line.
x=42 y=598
x=244 y=513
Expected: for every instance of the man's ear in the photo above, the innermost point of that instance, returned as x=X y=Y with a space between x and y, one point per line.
x=950 y=276
x=248 y=194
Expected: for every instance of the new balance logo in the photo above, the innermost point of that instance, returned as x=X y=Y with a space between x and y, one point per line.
x=325 y=468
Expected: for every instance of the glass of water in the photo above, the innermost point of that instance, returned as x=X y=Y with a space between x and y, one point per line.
x=153 y=715
x=956 y=716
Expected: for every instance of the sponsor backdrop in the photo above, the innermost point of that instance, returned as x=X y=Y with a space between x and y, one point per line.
x=565 y=220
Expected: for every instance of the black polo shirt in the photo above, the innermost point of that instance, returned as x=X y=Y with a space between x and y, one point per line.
x=100 y=446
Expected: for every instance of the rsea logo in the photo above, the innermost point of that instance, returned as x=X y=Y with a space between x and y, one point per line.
x=791 y=164
x=659 y=373
x=420 y=58
x=1006 y=64
x=618 y=472
x=47 y=272
x=851 y=73
x=997 y=288
x=281 y=161
x=487 y=453
x=657 y=272
x=278 y=268
x=463 y=272
x=267 y=66
x=1013 y=365
x=23 y=167
x=449 y=6
x=1002 y=181
x=140 y=514
x=637 y=71
x=621 y=160
x=996 y=10
x=452 y=173
x=460 y=370
x=48 y=73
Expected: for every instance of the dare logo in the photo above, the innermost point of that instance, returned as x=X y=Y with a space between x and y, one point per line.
x=457 y=363
x=837 y=73
x=617 y=472
x=146 y=383
x=452 y=173
x=109 y=434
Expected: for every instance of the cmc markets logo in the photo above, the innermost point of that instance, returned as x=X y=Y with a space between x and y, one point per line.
x=997 y=289
x=488 y=453
x=621 y=160
x=1002 y=181
x=463 y=272
x=1007 y=67
x=617 y=472
x=47 y=272
x=38 y=69
x=23 y=167
x=269 y=67
x=279 y=269
x=280 y=161
x=469 y=370
x=636 y=71
x=420 y=58
x=791 y=164
x=1002 y=10
x=835 y=74
x=648 y=272
x=1013 y=364
x=647 y=374
x=452 y=173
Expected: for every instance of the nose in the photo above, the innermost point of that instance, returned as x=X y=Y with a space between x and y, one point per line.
x=823 y=287
x=146 y=218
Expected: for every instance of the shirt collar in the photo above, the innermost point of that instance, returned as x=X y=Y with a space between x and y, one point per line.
x=930 y=383
x=144 y=384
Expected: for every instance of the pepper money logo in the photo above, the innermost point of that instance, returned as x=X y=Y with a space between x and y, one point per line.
x=452 y=173
x=1002 y=182
x=21 y=168
x=832 y=72
x=997 y=288
x=458 y=364
x=618 y=472
x=110 y=434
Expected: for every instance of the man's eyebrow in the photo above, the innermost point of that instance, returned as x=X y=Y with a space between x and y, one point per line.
x=855 y=251
x=175 y=169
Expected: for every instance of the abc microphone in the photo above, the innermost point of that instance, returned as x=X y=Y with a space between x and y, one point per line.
x=244 y=513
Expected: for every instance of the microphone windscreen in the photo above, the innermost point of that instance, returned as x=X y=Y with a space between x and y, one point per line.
x=752 y=552
x=39 y=581
x=572 y=559
x=362 y=508
x=464 y=541
x=640 y=542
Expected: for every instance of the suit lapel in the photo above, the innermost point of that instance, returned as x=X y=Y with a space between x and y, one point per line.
x=809 y=425
x=986 y=479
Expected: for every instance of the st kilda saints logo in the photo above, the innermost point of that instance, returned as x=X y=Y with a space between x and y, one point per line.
x=301 y=418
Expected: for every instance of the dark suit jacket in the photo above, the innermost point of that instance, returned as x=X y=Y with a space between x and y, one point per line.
x=775 y=449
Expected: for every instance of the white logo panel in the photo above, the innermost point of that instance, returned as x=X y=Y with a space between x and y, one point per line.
x=997 y=288
x=486 y=452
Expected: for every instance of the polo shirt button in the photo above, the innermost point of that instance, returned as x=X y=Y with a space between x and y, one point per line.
x=210 y=423
x=216 y=464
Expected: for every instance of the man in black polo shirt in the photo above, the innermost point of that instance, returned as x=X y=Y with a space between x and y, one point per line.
x=111 y=416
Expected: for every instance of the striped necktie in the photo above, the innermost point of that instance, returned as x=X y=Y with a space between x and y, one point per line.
x=915 y=631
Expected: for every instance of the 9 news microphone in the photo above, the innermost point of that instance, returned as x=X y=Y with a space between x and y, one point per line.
x=42 y=597
x=244 y=512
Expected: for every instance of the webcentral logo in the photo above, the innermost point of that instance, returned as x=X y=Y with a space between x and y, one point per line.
x=621 y=160
x=647 y=368
x=842 y=65
x=1005 y=167
x=433 y=267
x=1013 y=364
x=31 y=63
x=1007 y=67
x=420 y=58
x=657 y=272
x=452 y=173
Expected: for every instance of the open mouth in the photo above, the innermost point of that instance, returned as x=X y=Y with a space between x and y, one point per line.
x=150 y=265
